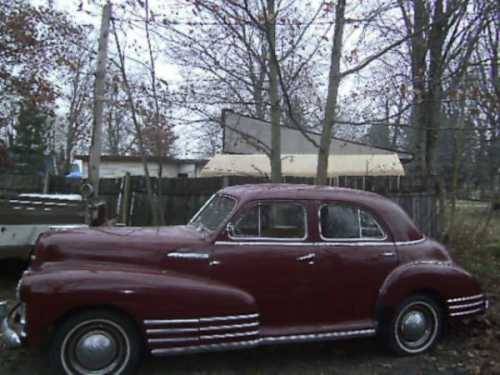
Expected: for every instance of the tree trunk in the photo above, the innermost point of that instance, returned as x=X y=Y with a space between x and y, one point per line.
x=274 y=95
x=100 y=90
x=418 y=51
x=333 y=89
x=156 y=121
x=434 y=90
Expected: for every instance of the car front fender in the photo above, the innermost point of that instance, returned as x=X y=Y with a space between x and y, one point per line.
x=143 y=294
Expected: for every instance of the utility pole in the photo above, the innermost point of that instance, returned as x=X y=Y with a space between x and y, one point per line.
x=99 y=92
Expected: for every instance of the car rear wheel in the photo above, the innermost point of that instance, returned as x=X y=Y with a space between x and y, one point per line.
x=415 y=327
x=96 y=342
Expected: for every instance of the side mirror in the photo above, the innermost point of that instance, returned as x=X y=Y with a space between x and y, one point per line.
x=230 y=229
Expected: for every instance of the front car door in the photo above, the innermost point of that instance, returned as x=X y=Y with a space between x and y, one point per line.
x=269 y=255
x=359 y=253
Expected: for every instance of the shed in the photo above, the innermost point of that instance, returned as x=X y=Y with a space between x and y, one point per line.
x=304 y=165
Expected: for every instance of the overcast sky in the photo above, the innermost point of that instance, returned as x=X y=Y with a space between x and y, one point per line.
x=90 y=13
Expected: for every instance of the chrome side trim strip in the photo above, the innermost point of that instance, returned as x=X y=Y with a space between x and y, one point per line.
x=171 y=330
x=186 y=255
x=173 y=340
x=457 y=307
x=201 y=320
x=228 y=327
x=228 y=317
x=354 y=243
x=468 y=312
x=261 y=243
x=170 y=321
x=332 y=243
x=204 y=348
x=414 y=242
x=229 y=335
x=319 y=336
x=460 y=299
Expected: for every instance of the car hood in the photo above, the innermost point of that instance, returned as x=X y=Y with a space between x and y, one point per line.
x=119 y=244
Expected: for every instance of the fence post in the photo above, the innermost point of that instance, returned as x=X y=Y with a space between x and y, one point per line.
x=46 y=183
x=125 y=201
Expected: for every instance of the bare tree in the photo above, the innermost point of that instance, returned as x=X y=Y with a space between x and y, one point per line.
x=138 y=130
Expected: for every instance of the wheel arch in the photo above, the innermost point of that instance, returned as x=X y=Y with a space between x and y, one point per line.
x=110 y=308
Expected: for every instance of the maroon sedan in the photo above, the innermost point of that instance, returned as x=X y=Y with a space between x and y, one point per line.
x=257 y=265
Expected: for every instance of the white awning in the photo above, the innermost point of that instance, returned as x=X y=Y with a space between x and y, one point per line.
x=304 y=165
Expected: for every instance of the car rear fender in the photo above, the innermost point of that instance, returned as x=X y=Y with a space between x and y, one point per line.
x=439 y=280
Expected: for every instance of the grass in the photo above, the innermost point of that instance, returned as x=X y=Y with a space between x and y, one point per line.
x=475 y=242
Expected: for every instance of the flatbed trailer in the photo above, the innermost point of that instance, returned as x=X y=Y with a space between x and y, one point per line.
x=24 y=217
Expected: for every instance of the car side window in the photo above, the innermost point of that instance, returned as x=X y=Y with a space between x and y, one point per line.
x=348 y=222
x=283 y=220
x=248 y=224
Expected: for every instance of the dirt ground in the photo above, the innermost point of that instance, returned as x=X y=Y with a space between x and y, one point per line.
x=470 y=347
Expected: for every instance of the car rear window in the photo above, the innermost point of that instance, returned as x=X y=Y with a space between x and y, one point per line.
x=348 y=222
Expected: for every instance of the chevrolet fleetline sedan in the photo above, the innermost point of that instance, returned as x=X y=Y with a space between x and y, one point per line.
x=257 y=265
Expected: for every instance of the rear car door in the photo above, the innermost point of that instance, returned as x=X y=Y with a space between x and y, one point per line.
x=359 y=253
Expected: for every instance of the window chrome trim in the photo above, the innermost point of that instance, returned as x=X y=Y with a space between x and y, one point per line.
x=278 y=239
x=202 y=208
x=357 y=239
x=226 y=219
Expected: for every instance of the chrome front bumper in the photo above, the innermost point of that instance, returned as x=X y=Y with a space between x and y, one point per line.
x=8 y=335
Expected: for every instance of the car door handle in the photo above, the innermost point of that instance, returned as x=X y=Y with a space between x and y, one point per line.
x=388 y=254
x=309 y=258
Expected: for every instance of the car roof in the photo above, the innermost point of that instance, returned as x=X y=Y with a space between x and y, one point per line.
x=297 y=191
x=400 y=224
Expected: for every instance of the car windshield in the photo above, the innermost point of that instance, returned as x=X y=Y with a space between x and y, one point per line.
x=214 y=213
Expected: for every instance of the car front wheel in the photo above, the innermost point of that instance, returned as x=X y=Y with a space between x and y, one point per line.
x=415 y=327
x=96 y=342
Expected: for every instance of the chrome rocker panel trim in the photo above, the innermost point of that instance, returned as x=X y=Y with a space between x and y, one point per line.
x=246 y=344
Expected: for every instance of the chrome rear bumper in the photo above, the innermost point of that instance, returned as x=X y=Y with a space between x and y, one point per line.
x=8 y=335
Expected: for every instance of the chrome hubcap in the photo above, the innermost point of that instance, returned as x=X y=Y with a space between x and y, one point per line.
x=413 y=325
x=95 y=347
x=95 y=350
x=417 y=327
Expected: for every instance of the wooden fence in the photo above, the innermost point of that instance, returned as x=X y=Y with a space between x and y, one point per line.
x=181 y=197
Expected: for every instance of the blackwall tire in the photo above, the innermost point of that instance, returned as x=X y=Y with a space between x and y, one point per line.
x=415 y=327
x=96 y=343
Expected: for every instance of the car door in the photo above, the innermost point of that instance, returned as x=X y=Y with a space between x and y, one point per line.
x=358 y=253
x=268 y=254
